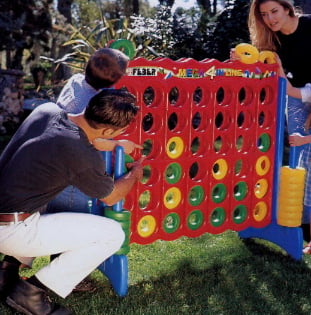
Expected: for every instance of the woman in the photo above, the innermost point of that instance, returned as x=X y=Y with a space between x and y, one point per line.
x=275 y=25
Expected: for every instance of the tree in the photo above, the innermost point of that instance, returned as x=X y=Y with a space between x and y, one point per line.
x=230 y=28
x=22 y=24
x=305 y=5
x=205 y=5
x=190 y=32
x=64 y=7
x=112 y=9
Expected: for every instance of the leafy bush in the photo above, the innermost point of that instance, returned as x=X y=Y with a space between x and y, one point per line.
x=229 y=29
x=22 y=24
x=189 y=33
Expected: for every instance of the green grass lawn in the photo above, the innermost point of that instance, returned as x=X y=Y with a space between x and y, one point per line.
x=210 y=275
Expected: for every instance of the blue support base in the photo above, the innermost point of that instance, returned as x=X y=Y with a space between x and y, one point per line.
x=288 y=238
x=116 y=270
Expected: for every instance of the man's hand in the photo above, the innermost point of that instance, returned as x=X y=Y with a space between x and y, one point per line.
x=124 y=184
x=136 y=168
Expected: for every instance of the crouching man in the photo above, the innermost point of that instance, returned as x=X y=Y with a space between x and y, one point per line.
x=51 y=150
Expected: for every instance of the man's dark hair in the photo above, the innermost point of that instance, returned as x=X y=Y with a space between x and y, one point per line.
x=105 y=67
x=115 y=108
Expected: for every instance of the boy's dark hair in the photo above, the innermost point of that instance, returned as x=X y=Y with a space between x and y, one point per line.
x=115 y=108
x=105 y=67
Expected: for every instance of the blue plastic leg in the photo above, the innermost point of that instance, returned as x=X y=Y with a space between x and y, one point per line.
x=288 y=238
x=116 y=270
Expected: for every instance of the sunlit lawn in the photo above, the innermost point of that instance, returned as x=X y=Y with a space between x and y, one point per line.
x=211 y=274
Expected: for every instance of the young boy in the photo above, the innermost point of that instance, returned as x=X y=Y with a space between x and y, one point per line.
x=296 y=139
x=104 y=69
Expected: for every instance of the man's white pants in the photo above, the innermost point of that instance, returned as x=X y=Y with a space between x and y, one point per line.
x=84 y=241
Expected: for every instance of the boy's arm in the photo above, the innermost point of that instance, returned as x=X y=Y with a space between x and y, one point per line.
x=297 y=139
x=308 y=123
x=110 y=144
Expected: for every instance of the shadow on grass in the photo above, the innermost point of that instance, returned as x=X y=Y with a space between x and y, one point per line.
x=267 y=282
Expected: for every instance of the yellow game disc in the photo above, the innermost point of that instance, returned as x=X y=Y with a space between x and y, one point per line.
x=260 y=211
x=247 y=53
x=220 y=169
x=261 y=188
x=175 y=147
x=172 y=198
x=263 y=165
x=146 y=226
x=267 y=56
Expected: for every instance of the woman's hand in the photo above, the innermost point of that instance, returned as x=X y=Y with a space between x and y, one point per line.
x=233 y=55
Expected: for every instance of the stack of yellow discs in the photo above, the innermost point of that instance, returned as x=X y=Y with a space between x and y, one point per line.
x=291 y=196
